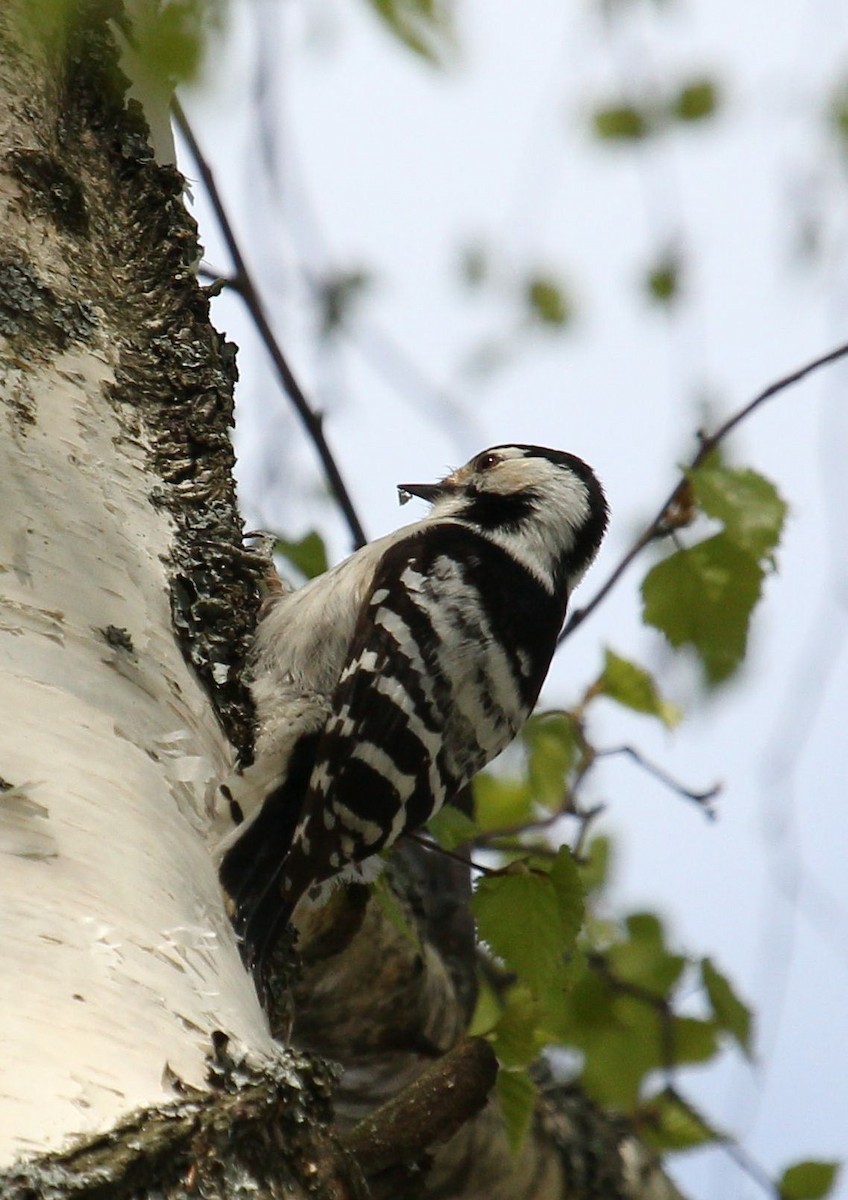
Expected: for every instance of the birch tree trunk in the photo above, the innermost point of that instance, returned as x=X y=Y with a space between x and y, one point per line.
x=136 y=1060
x=118 y=527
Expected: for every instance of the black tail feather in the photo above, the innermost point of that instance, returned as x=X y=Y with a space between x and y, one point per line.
x=253 y=870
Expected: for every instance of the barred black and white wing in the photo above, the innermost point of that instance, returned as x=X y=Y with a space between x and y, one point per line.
x=452 y=644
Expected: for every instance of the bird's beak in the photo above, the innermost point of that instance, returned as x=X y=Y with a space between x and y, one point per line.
x=424 y=491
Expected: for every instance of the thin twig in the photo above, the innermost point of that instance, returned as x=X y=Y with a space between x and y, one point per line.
x=489 y=872
x=242 y=282
x=751 y=1168
x=731 y=1147
x=707 y=443
x=429 y=844
x=702 y=799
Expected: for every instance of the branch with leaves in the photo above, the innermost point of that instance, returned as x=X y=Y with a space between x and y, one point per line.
x=729 y=496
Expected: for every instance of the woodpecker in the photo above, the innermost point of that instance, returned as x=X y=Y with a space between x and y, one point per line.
x=384 y=685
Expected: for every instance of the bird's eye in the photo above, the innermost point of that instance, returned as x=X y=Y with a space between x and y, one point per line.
x=487 y=460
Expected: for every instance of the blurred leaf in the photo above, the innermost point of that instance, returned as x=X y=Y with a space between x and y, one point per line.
x=695 y=1041
x=618 y=1036
x=667 y=1124
x=169 y=39
x=749 y=505
x=643 y=959
x=662 y=282
x=568 y=885
x=474 y=265
x=618 y=1030
x=808 y=1180
x=393 y=912
x=309 y=555
x=695 y=101
x=633 y=687
x=501 y=803
x=46 y=22
x=729 y=1011
x=487 y=1011
x=552 y=748
x=839 y=112
x=531 y=921
x=703 y=597
x=338 y=295
x=621 y=123
x=547 y=301
x=517 y=1037
x=451 y=827
x=422 y=25
x=517 y=1097
x=594 y=870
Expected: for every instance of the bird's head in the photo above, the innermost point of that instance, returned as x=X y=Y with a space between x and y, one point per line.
x=543 y=506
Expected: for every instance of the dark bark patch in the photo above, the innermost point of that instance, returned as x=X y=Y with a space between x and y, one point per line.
x=173 y=373
x=51 y=189
x=31 y=312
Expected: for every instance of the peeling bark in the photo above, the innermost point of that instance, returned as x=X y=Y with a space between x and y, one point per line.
x=118 y=526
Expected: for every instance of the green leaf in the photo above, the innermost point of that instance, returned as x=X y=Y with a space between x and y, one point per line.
x=46 y=23
x=518 y=916
x=568 y=886
x=667 y=1124
x=452 y=828
x=552 y=748
x=517 y=1095
x=618 y=1036
x=633 y=687
x=547 y=301
x=169 y=39
x=703 y=597
x=662 y=282
x=621 y=123
x=393 y=912
x=839 y=112
x=729 y=1011
x=694 y=1041
x=643 y=959
x=695 y=101
x=749 y=506
x=424 y=26
x=808 y=1180
x=594 y=870
x=309 y=555
x=487 y=1011
x=501 y=803
x=518 y=1035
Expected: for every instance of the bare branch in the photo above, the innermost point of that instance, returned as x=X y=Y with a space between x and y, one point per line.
x=242 y=282
x=430 y=1110
x=702 y=799
x=707 y=443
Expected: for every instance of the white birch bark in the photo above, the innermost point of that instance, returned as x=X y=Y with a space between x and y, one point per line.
x=117 y=958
